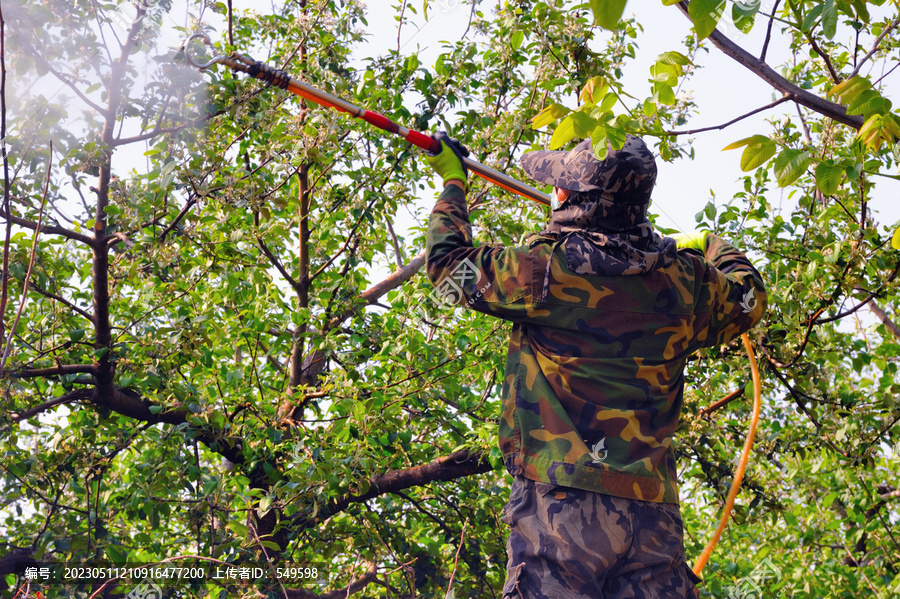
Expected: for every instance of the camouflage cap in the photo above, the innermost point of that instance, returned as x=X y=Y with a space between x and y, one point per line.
x=624 y=176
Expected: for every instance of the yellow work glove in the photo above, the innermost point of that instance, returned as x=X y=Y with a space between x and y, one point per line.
x=448 y=163
x=695 y=240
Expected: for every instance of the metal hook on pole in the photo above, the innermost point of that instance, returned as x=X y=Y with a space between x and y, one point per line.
x=216 y=58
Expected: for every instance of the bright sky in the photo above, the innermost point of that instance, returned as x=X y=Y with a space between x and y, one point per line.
x=722 y=90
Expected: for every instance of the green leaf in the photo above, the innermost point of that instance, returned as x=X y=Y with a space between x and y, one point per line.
x=759 y=149
x=599 y=142
x=594 y=90
x=617 y=137
x=868 y=102
x=862 y=11
x=548 y=115
x=674 y=58
x=847 y=91
x=790 y=165
x=664 y=94
x=740 y=143
x=517 y=38
x=608 y=102
x=117 y=554
x=563 y=134
x=829 y=177
x=583 y=124
x=664 y=73
x=895 y=239
x=76 y=335
x=810 y=18
x=744 y=15
x=607 y=13
x=829 y=19
x=239 y=529
x=706 y=14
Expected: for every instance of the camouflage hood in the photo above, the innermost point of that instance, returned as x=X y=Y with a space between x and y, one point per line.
x=604 y=220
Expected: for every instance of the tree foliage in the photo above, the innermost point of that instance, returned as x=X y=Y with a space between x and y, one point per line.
x=217 y=341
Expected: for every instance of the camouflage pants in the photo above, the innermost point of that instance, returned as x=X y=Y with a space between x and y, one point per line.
x=569 y=543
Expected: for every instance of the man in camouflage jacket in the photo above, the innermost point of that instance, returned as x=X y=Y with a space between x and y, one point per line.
x=605 y=313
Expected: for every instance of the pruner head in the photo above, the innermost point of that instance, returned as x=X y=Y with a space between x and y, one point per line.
x=211 y=51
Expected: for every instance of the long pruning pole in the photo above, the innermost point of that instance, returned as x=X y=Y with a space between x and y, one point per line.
x=239 y=62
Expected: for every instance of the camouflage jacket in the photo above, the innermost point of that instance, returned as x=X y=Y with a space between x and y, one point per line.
x=595 y=371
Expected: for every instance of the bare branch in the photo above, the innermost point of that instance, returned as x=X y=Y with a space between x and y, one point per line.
x=66 y=81
x=871 y=296
x=831 y=70
x=398 y=251
x=768 y=74
x=181 y=214
x=446 y=468
x=722 y=402
x=76 y=395
x=37 y=232
x=765 y=48
x=277 y=264
x=780 y=100
x=373 y=293
x=354 y=587
x=63 y=301
x=49 y=229
x=31 y=373
x=4 y=294
x=160 y=130
x=889 y=324
x=893 y=25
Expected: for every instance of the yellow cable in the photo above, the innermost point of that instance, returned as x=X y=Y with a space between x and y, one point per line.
x=742 y=465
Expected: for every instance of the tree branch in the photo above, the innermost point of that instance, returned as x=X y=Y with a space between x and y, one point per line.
x=373 y=293
x=871 y=296
x=30 y=373
x=76 y=395
x=49 y=229
x=722 y=402
x=7 y=347
x=893 y=25
x=277 y=264
x=159 y=130
x=451 y=467
x=63 y=301
x=768 y=74
x=889 y=324
x=780 y=100
x=354 y=587
x=831 y=70
x=765 y=48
